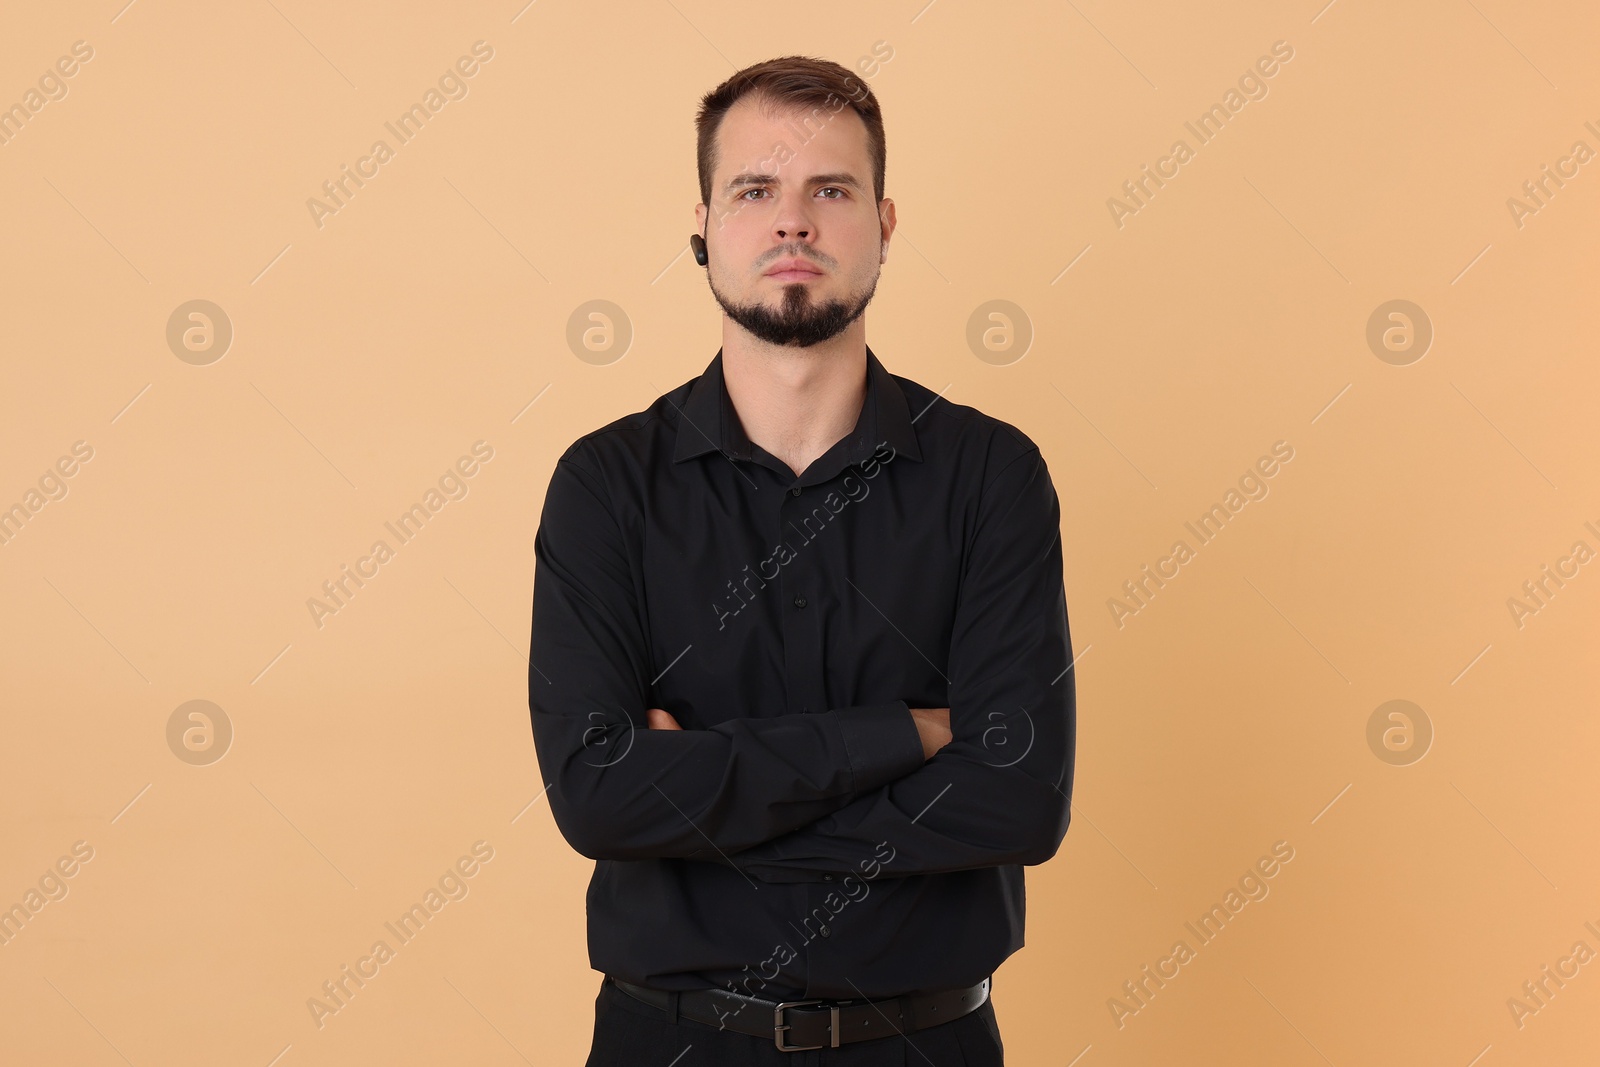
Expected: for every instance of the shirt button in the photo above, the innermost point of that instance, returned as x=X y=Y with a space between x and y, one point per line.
x=824 y=931
x=827 y=878
x=799 y=601
x=795 y=491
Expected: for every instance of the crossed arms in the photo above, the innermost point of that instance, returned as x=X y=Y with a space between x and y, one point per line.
x=790 y=797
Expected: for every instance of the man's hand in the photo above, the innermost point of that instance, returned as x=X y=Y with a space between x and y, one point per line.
x=661 y=720
x=933 y=726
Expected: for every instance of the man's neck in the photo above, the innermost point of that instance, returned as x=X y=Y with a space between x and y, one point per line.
x=796 y=402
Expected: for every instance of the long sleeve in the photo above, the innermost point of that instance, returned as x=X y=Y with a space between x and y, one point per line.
x=999 y=792
x=621 y=791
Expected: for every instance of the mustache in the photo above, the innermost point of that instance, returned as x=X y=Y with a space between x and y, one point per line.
x=796 y=254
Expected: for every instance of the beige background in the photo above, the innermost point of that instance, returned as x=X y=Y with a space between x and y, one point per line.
x=431 y=311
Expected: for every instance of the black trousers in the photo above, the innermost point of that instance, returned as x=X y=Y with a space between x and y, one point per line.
x=631 y=1033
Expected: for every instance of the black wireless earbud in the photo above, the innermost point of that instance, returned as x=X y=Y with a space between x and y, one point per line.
x=697 y=244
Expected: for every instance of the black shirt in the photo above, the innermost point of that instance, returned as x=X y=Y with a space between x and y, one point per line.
x=791 y=841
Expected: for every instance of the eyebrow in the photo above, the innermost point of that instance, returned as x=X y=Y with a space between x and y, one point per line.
x=753 y=178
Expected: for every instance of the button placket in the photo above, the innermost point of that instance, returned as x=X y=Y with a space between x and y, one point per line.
x=802 y=629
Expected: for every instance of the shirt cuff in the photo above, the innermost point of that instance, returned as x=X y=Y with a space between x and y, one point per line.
x=882 y=742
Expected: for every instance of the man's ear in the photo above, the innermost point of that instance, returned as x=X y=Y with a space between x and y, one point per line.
x=699 y=218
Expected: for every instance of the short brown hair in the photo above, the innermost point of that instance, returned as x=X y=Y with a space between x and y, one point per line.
x=796 y=82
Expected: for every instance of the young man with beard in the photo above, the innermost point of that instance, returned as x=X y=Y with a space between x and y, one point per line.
x=811 y=784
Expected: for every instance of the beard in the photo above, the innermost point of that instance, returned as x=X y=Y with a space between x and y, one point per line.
x=798 y=320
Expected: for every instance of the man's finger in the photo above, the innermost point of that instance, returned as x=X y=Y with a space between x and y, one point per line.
x=661 y=719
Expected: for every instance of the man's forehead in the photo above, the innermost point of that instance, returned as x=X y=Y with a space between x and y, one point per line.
x=811 y=139
x=758 y=112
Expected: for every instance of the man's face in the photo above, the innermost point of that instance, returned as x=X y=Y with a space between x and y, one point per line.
x=775 y=201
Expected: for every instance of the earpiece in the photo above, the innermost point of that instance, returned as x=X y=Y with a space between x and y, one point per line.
x=697 y=244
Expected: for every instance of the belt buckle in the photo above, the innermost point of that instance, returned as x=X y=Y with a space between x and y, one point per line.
x=779 y=1026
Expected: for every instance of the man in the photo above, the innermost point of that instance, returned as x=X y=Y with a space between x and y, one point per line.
x=800 y=674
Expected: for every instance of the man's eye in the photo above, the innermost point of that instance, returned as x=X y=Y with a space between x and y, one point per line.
x=825 y=189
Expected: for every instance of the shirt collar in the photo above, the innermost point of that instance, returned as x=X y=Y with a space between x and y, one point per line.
x=708 y=421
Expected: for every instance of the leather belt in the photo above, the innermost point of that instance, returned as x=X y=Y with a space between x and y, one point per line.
x=796 y=1025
